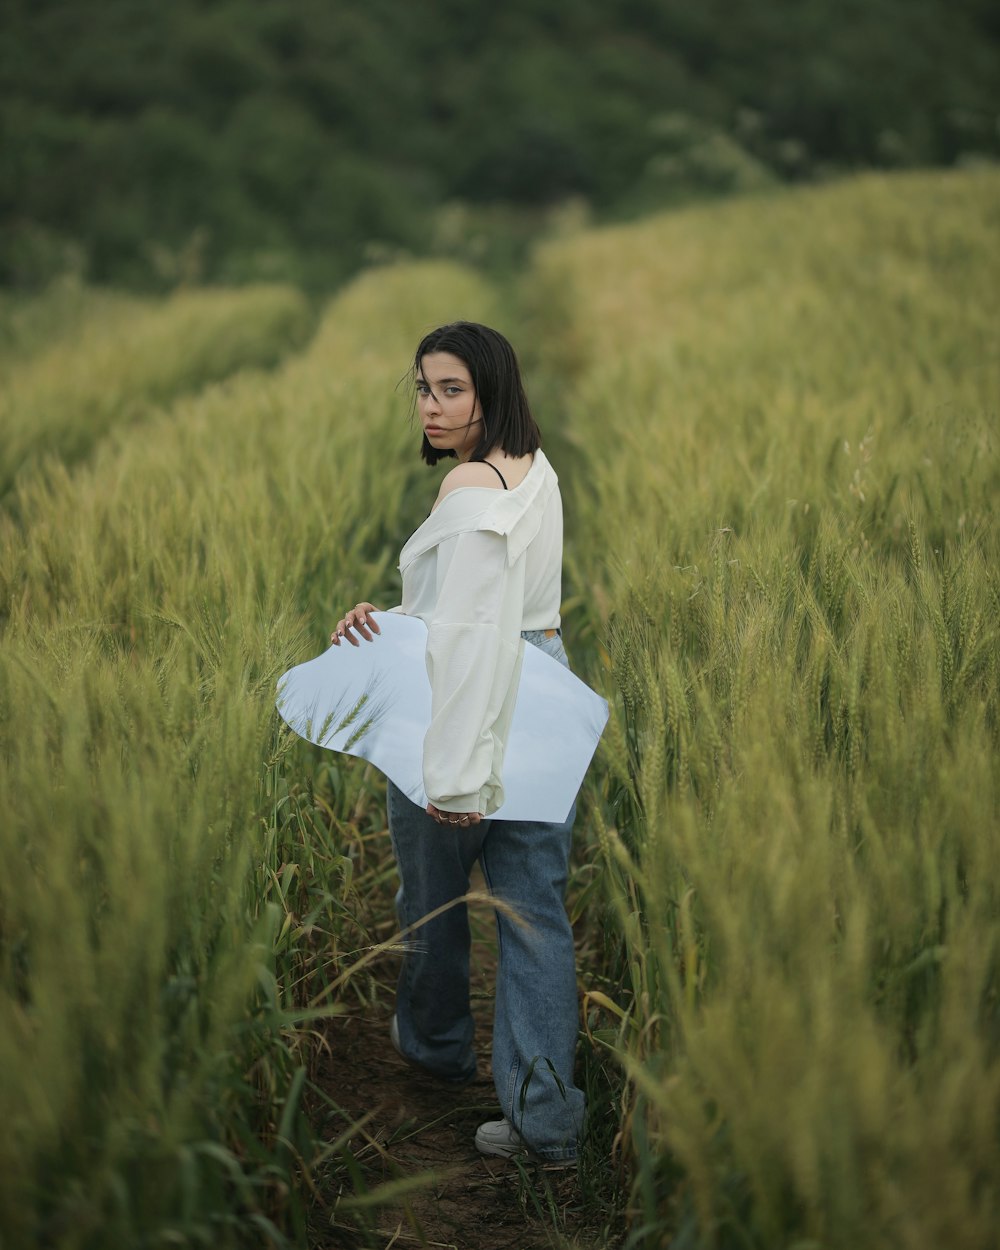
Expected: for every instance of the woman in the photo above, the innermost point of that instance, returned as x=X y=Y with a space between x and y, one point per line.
x=483 y=572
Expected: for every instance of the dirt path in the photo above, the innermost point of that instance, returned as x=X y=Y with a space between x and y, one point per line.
x=418 y=1125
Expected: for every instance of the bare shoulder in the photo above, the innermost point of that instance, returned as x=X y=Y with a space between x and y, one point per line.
x=472 y=473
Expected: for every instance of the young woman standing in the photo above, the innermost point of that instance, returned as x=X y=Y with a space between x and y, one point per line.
x=484 y=572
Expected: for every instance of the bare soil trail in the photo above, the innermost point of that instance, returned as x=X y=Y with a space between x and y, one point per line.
x=418 y=1125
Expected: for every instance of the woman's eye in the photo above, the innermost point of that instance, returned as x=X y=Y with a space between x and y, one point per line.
x=424 y=389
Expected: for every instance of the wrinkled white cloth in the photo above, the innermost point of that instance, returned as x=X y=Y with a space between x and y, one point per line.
x=485 y=565
x=374 y=701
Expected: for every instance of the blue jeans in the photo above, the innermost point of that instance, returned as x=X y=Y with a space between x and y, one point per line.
x=536 y=1015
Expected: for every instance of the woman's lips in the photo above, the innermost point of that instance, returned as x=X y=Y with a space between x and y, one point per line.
x=433 y=429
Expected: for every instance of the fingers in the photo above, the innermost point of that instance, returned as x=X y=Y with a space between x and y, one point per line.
x=359 y=620
x=343 y=630
x=462 y=820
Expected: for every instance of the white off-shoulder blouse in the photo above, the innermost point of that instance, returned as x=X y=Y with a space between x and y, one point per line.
x=485 y=565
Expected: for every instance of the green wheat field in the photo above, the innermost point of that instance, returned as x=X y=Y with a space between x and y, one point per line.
x=775 y=422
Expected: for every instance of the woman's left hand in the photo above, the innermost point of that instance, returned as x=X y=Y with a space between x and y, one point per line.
x=358 y=618
x=464 y=820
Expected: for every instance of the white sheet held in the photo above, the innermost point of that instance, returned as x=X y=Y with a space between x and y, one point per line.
x=374 y=701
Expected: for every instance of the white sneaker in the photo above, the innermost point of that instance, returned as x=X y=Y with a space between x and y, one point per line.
x=499 y=1138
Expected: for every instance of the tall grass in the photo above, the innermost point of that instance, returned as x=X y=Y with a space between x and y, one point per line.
x=33 y=323
x=178 y=874
x=782 y=420
x=775 y=425
x=113 y=358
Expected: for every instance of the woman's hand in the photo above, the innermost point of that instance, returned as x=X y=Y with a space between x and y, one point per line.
x=464 y=820
x=358 y=619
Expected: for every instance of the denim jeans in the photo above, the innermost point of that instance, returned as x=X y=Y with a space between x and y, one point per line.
x=536 y=1016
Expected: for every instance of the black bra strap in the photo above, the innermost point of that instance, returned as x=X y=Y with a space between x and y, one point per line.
x=497 y=472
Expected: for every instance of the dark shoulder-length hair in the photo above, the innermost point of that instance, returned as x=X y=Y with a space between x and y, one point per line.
x=496 y=378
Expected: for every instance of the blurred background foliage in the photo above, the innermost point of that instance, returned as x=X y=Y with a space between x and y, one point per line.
x=252 y=140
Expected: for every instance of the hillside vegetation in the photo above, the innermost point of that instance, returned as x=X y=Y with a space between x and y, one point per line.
x=255 y=140
x=775 y=425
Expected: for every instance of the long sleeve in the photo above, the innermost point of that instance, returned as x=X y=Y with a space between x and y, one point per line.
x=473 y=662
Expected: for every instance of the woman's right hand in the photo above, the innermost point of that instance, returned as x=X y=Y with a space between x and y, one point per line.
x=357 y=619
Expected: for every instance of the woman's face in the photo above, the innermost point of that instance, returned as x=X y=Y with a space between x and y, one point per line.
x=449 y=407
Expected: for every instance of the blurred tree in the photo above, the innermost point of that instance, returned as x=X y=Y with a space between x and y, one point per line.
x=299 y=136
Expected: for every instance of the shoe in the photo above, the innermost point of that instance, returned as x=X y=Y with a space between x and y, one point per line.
x=394 y=1038
x=499 y=1138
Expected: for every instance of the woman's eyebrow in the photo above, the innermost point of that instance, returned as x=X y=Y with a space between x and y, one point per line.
x=442 y=381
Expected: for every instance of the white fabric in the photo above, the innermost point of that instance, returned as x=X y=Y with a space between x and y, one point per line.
x=374 y=701
x=485 y=565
